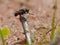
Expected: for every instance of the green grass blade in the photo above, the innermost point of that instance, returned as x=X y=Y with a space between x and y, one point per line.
x=2 y=38
x=53 y=20
x=52 y=32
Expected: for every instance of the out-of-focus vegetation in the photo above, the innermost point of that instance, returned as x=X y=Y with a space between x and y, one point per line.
x=53 y=20
x=4 y=31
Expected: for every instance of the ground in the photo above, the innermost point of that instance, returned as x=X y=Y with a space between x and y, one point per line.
x=42 y=11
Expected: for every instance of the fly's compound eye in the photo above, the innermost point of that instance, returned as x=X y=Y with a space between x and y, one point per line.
x=27 y=11
x=16 y=14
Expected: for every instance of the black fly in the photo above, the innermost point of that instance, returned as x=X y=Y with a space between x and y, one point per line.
x=22 y=11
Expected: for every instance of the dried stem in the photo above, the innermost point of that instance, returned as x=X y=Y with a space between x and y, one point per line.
x=26 y=29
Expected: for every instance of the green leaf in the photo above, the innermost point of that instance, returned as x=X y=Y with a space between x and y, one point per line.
x=5 y=31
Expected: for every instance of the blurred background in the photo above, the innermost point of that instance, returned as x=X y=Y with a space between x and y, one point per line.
x=40 y=21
